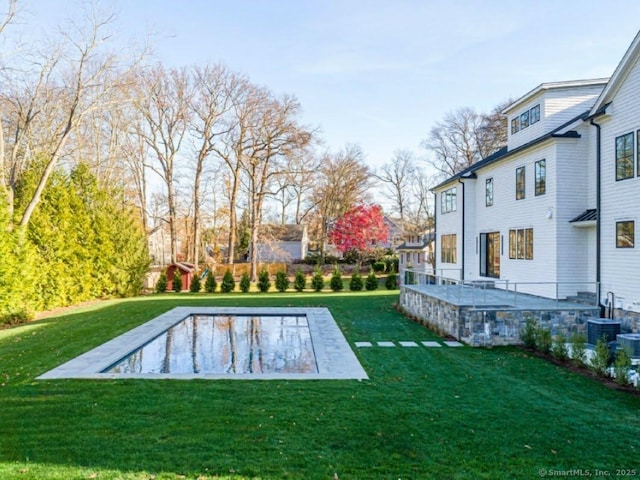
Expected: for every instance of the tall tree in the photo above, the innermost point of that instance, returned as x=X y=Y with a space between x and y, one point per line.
x=213 y=96
x=464 y=137
x=397 y=177
x=47 y=98
x=164 y=107
x=343 y=181
x=360 y=229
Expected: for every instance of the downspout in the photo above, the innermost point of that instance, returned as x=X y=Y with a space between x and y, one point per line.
x=598 y=206
x=462 y=249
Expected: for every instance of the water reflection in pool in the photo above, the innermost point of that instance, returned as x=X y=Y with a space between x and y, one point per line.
x=227 y=344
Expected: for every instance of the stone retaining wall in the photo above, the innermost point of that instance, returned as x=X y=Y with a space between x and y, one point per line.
x=486 y=327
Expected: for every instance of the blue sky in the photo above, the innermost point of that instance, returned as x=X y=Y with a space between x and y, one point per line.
x=381 y=73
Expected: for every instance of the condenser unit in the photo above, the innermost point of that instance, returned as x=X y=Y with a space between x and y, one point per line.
x=599 y=327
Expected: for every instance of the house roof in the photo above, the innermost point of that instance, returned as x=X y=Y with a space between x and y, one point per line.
x=553 y=86
x=559 y=132
x=426 y=240
x=282 y=233
x=619 y=76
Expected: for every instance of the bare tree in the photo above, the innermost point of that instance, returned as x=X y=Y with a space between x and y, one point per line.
x=49 y=95
x=213 y=98
x=275 y=134
x=343 y=181
x=463 y=138
x=164 y=107
x=397 y=176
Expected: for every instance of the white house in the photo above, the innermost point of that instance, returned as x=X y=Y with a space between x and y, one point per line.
x=556 y=210
x=282 y=243
x=415 y=253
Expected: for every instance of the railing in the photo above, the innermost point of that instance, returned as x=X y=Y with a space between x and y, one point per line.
x=478 y=292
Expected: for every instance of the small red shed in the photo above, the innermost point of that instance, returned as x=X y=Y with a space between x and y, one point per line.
x=186 y=272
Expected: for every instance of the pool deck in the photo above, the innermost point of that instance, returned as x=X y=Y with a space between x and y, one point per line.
x=495 y=298
x=334 y=357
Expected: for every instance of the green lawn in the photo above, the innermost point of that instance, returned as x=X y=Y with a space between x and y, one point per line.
x=424 y=413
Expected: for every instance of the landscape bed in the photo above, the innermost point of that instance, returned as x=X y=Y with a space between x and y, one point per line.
x=423 y=412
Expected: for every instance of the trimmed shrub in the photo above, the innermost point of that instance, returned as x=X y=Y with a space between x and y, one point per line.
x=177 y=281
x=282 y=281
x=245 y=282
x=196 y=285
x=543 y=340
x=163 y=283
x=559 y=348
x=528 y=333
x=621 y=367
x=263 y=281
x=379 y=267
x=317 y=281
x=300 y=282
x=600 y=358
x=392 y=281
x=336 y=280
x=371 y=283
x=579 y=349
x=356 y=283
x=228 y=283
x=210 y=284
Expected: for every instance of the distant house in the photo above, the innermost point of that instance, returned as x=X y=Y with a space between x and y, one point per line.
x=415 y=253
x=282 y=243
x=159 y=239
x=396 y=232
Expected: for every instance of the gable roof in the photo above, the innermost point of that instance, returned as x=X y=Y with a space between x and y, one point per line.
x=619 y=76
x=282 y=233
x=552 y=86
x=503 y=153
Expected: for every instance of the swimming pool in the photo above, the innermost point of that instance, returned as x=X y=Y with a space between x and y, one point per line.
x=223 y=343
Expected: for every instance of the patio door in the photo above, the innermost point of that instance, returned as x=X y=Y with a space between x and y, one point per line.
x=490 y=254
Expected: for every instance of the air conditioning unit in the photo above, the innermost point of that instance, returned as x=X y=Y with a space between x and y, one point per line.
x=599 y=327
x=631 y=343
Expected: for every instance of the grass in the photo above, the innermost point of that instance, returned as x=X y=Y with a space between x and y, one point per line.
x=424 y=413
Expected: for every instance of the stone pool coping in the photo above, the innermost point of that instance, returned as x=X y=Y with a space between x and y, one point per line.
x=334 y=357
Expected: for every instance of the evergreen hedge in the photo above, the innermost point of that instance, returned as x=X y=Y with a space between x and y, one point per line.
x=245 y=282
x=300 y=282
x=228 y=283
x=263 y=281
x=282 y=281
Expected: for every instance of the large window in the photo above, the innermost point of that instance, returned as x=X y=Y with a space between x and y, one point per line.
x=488 y=192
x=521 y=243
x=520 y=183
x=490 y=254
x=541 y=177
x=448 y=247
x=624 y=156
x=524 y=119
x=448 y=200
x=625 y=234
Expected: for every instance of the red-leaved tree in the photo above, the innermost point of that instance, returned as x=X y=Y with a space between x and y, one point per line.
x=361 y=228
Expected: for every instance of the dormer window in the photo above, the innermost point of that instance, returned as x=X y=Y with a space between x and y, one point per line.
x=525 y=119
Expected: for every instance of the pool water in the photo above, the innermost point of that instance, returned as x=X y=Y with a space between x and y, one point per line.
x=226 y=344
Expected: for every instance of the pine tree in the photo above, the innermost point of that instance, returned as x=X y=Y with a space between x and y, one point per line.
x=300 y=282
x=177 y=281
x=317 y=281
x=371 y=283
x=210 y=283
x=336 y=280
x=245 y=283
x=356 y=284
x=162 y=283
x=392 y=280
x=263 y=281
x=196 y=284
x=228 y=283
x=282 y=281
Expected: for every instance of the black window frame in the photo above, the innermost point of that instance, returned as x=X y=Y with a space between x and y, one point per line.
x=521 y=243
x=449 y=200
x=534 y=115
x=540 y=177
x=622 y=146
x=488 y=192
x=448 y=248
x=521 y=189
x=524 y=120
x=620 y=235
x=515 y=124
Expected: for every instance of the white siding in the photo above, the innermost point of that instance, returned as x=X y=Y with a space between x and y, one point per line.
x=448 y=224
x=620 y=200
